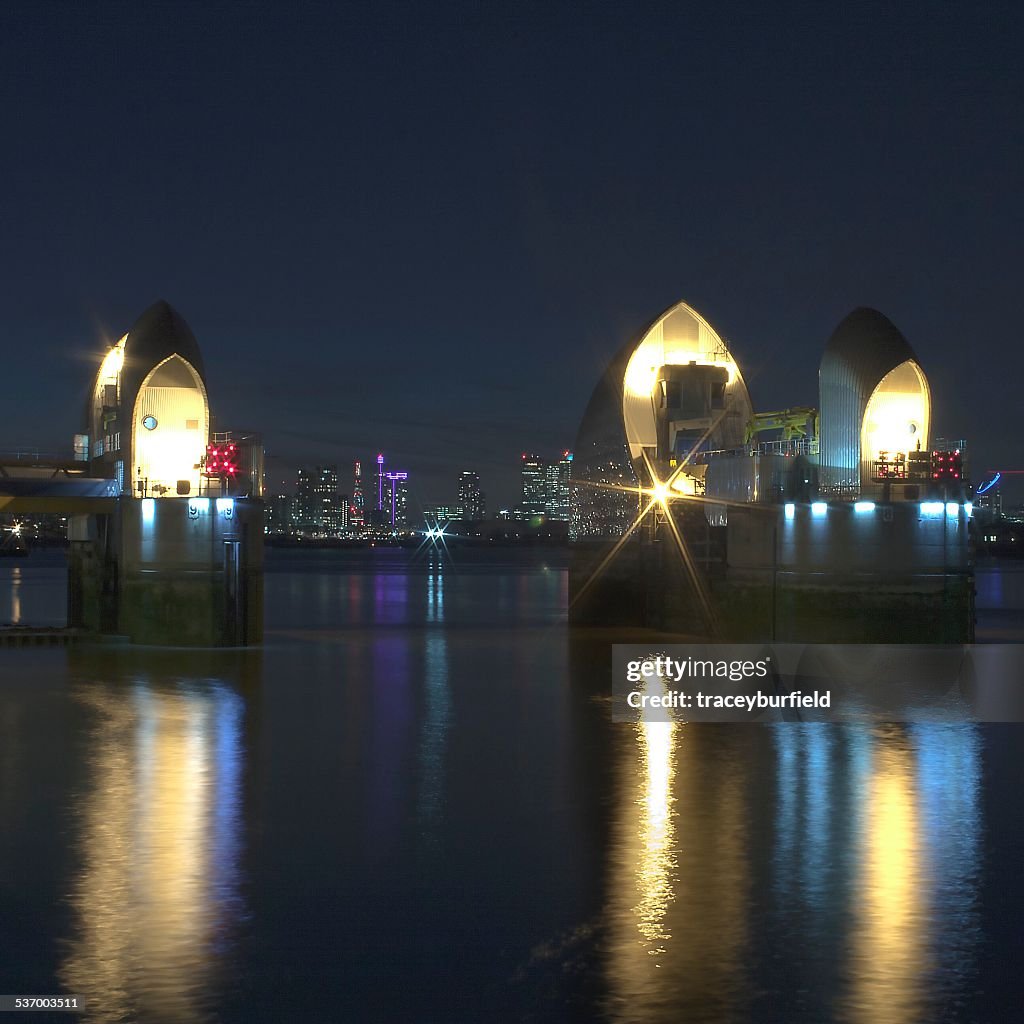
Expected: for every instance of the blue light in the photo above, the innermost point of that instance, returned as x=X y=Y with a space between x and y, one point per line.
x=931 y=508
x=863 y=506
x=969 y=508
x=226 y=505
x=819 y=508
x=987 y=487
x=790 y=510
x=952 y=508
x=148 y=510
x=197 y=505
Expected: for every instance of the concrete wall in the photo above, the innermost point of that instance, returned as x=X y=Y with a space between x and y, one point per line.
x=171 y=571
x=191 y=571
x=831 y=575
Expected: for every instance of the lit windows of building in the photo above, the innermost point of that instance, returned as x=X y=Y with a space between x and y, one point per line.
x=357 y=509
x=545 y=487
x=533 y=475
x=321 y=510
x=470 y=502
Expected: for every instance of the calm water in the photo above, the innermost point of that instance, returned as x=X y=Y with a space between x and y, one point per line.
x=411 y=805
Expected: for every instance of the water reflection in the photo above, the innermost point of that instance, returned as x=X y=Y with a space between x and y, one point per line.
x=889 y=935
x=915 y=935
x=435 y=592
x=16 y=595
x=677 y=926
x=434 y=735
x=157 y=896
x=799 y=873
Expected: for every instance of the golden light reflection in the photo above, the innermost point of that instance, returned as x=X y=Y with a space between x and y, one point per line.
x=656 y=828
x=679 y=879
x=889 y=936
x=16 y=595
x=158 y=884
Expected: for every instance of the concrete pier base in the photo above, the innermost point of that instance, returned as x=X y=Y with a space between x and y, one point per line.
x=900 y=573
x=170 y=571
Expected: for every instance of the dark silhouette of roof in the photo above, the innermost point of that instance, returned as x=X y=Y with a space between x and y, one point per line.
x=161 y=331
x=865 y=346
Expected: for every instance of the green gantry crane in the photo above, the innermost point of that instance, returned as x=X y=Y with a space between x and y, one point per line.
x=800 y=421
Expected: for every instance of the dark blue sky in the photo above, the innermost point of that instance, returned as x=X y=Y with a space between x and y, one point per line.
x=427 y=228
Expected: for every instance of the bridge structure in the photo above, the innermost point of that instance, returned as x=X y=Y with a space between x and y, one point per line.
x=49 y=483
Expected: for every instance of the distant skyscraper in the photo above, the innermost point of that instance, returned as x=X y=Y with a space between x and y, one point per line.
x=357 y=510
x=545 y=484
x=470 y=496
x=280 y=515
x=558 y=476
x=319 y=505
x=534 y=480
x=397 y=498
x=305 y=505
x=380 y=483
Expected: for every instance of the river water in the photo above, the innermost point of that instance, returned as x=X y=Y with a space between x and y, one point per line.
x=412 y=805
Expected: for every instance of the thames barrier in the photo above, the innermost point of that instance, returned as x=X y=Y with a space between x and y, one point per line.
x=850 y=525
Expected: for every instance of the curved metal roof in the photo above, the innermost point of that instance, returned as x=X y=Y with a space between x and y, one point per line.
x=864 y=347
x=158 y=333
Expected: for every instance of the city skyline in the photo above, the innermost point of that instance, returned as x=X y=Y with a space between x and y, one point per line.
x=316 y=502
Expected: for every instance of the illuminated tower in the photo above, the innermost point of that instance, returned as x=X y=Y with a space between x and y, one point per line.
x=148 y=417
x=380 y=483
x=357 y=515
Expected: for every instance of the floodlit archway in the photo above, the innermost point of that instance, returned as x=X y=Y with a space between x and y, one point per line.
x=170 y=429
x=897 y=417
x=678 y=344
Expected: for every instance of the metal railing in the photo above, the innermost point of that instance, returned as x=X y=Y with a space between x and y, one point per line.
x=796 y=446
x=34 y=455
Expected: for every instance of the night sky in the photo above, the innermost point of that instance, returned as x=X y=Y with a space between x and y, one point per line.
x=426 y=228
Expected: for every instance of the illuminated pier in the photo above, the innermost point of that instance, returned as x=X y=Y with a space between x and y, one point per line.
x=165 y=519
x=851 y=525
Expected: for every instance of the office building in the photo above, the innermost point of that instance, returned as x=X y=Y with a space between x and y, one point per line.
x=470 y=497
x=545 y=487
x=357 y=508
x=320 y=509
